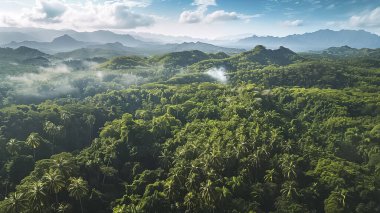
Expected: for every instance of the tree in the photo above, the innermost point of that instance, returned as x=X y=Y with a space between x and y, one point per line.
x=66 y=117
x=54 y=182
x=15 y=203
x=208 y=193
x=63 y=208
x=289 y=189
x=78 y=188
x=190 y=201
x=90 y=121
x=34 y=140
x=64 y=164
x=36 y=196
x=13 y=147
x=269 y=176
x=53 y=131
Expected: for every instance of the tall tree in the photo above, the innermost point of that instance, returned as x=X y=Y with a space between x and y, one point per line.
x=90 y=121
x=78 y=188
x=34 y=140
x=36 y=196
x=15 y=203
x=13 y=146
x=54 y=182
x=53 y=131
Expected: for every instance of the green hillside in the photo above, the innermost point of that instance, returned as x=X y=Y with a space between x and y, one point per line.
x=21 y=60
x=255 y=58
x=283 y=133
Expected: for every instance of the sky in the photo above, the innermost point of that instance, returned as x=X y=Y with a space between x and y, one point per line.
x=210 y=19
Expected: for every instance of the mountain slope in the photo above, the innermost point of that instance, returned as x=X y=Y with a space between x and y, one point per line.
x=318 y=40
x=21 y=53
x=22 y=60
x=59 y=44
x=255 y=58
x=261 y=55
x=103 y=36
x=346 y=51
x=204 y=47
x=7 y=37
x=186 y=58
x=108 y=50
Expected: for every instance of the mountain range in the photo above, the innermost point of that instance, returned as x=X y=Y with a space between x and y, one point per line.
x=96 y=45
x=59 y=44
x=318 y=40
x=108 y=44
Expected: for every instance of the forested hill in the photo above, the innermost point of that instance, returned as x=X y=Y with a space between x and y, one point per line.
x=20 y=53
x=260 y=131
x=257 y=57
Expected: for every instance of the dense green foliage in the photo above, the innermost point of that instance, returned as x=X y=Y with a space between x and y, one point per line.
x=284 y=134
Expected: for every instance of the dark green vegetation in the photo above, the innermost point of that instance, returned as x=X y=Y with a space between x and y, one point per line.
x=286 y=133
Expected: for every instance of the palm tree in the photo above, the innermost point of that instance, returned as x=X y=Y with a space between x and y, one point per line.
x=288 y=166
x=90 y=121
x=13 y=147
x=289 y=189
x=36 y=195
x=289 y=170
x=63 y=166
x=15 y=203
x=236 y=182
x=65 y=117
x=192 y=181
x=269 y=176
x=169 y=188
x=54 y=182
x=341 y=195
x=190 y=201
x=78 y=188
x=53 y=131
x=34 y=140
x=63 y=208
x=207 y=192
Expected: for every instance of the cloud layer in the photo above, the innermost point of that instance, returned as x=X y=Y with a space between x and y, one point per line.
x=200 y=14
x=368 y=19
x=293 y=23
x=115 y=14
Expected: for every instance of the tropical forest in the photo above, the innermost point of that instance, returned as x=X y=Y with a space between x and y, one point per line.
x=103 y=121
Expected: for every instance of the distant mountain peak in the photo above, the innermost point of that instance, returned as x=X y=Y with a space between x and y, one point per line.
x=24 y=50
x=259 y=48
x=65 y=39
x=116 y=44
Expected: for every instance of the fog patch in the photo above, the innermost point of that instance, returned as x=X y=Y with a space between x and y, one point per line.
x=49 y=82
x=218 y=73
x=61 y=80
x=64 y=80
x=100 y=75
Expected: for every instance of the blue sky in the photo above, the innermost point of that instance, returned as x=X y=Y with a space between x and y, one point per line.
x=196 y=18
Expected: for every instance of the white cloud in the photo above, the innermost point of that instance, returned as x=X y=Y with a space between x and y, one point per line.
x=131 y=3
x=115 y=14
x=222 y=15
x=200 y=14
x=47 y=11
x=195 y=16
x=368 y=19
x=293 y=23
